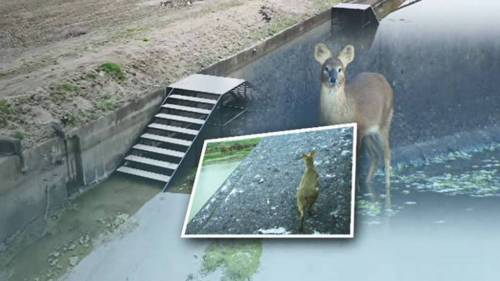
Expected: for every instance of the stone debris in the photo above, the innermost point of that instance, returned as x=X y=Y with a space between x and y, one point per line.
x=84 y=240
x=53 y=262
x=121 y=219
x=277 y=230
x=55 y=254
x=74 y=260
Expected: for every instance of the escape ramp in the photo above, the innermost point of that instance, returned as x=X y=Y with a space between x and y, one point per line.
x=184 y=113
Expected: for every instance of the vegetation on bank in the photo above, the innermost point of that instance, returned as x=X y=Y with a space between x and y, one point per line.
x=114 y=70
x=95 y=85
x=239 y=260
x=230 y=150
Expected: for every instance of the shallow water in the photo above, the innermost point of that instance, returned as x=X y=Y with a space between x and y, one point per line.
x=210 y=179
x=430 y=235
x=446 y=212
x=460 y=180
x=72 y=233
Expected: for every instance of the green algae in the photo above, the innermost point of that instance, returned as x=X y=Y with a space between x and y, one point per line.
x=474 y=173
x=238 y=260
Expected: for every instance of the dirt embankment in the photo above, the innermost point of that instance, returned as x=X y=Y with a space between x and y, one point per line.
x=70 y=62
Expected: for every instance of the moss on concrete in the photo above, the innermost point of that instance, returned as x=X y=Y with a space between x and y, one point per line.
x=238 y=260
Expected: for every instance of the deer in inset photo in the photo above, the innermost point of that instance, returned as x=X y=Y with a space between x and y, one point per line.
x=166 y=3
x=367 y=100
x=308 y=190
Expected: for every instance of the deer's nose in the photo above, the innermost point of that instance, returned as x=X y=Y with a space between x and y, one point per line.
x=333 y=78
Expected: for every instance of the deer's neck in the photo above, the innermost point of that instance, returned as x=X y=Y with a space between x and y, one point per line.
x=309 y=166
x=336 y=107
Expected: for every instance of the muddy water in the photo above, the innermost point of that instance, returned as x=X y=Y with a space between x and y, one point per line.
x=211 y=178
x=73 y=233
x=434 y=233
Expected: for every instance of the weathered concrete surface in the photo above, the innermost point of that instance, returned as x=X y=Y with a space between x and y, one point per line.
x=9 y=146
x=58 y=169
x=261 y=193
x=151 y=251
x=27 y=199
x=94 y=151
x=437 y=237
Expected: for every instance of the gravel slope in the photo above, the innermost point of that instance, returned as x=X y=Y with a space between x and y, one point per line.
x=260 y=195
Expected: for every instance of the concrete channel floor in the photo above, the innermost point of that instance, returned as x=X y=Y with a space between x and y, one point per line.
x=153 y=250
x=433 y=235
x=460 y=249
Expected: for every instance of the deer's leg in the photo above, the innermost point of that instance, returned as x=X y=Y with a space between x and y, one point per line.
x=359 y=139
x=301 y=212
x=388 y=168
x=302 y=216
x=374 y=155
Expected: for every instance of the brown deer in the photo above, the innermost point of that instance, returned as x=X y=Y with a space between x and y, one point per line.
x=366 y=100
x=308 y=190
x=166 y=3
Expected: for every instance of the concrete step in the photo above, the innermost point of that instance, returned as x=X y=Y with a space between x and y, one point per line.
x=173 y=129
x=166 y=139
x=144 y=174
x=186 y=108
x=180 y=118
x=151 y=162
x=158 y=150
x=193 y=99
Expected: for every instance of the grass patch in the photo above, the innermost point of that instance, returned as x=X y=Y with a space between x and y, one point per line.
x=68 y=87
x=239 y=260
x=6 y=107
x=71 y=119
x=19 y=135
x=280 y=25
x=114 y=70
x=232 y=150
x=106 y=105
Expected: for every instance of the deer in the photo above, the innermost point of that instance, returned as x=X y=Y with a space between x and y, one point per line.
x=308 y=190
x=166 y=3
x=366 y=100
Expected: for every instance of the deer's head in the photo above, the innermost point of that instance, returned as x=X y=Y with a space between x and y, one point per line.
x=309 y=158
x=333 y=69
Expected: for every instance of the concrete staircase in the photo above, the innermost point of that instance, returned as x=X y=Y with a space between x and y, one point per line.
x=168 y=138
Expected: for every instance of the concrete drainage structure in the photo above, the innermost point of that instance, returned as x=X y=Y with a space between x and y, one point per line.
x=41 y=181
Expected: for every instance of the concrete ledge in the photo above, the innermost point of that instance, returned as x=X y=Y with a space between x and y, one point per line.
x=58 y=168
x=270 y=44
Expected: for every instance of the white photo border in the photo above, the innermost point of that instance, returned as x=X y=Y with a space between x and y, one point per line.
x=277 y=236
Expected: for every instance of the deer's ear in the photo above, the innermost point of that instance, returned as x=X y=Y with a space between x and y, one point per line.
x=346 y=56
x=322 y=53
x=313 y=154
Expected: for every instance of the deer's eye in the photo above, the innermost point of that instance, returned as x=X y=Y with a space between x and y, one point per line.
x=339 y=70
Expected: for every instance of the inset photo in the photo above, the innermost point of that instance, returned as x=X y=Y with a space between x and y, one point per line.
x=289 y=184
